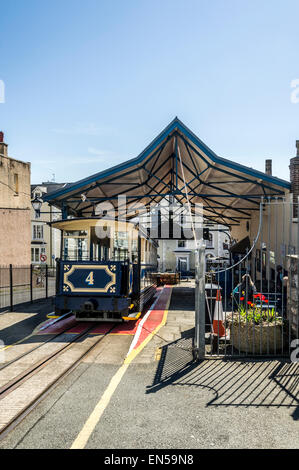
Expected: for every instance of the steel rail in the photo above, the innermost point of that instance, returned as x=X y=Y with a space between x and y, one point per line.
x=23 y=376
x=8 y=363
x=32 y=405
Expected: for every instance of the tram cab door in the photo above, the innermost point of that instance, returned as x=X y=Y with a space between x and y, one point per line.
x=99 y=244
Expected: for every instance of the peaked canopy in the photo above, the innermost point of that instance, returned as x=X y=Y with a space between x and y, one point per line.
x=176 y=160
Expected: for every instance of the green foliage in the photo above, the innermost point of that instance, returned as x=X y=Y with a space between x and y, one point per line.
x=257 y=315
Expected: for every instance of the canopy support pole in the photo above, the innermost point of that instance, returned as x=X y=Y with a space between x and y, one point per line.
x=199 y=339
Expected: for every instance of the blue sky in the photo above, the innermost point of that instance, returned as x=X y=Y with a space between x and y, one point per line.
x=89 y=83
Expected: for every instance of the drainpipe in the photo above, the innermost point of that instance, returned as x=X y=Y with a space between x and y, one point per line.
x=51 y=238
x=3 y=145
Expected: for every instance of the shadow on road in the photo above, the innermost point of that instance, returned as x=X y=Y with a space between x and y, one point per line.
x=244 y=382
x=17 y=330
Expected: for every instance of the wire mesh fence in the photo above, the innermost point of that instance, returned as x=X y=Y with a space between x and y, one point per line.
x=21 y=284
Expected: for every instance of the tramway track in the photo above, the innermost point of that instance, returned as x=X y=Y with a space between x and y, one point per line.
x=21 y=356
x=13 y=385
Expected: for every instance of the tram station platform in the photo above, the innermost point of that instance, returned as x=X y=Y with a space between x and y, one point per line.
x=179 y=324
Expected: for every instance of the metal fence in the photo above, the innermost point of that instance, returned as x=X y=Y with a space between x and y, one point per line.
x=252 y=307
x=21 y=284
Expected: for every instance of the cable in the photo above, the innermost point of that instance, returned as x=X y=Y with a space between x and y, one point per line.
x=5 y=184
x=253 y=245
x=187 y=197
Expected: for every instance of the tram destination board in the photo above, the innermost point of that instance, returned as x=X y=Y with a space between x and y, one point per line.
x=101 y=278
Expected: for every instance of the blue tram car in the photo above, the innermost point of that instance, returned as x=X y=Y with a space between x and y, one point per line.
x=105 y=271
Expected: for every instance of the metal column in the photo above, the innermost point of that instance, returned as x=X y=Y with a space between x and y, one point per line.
x=199 y=340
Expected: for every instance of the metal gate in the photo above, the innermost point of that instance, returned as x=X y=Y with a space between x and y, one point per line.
x=251 y=307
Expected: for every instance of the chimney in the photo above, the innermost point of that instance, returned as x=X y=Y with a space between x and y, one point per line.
x=3 y=145
x=294 y=177
x=268 y=167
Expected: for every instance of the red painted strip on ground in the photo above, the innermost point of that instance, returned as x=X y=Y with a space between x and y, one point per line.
x=79 y=327
x=155 y=317
x=102 y=328
x=120 y=329
x=59 y=326
x=126 y=328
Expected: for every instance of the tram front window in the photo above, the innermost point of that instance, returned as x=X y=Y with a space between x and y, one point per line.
x=75 y=245
x=79 y=246
x=99 y=247
x=121 y=246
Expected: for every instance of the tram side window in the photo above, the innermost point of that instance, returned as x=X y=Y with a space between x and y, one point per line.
x=75 y=245
x=135 y=250
x=121 y=246
x=153 y=255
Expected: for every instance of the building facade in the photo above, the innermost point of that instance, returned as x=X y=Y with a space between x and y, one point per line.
x=179 y=255
x=45 y=240
x=15 y=207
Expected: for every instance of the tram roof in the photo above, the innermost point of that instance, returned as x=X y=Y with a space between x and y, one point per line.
x=228 y=191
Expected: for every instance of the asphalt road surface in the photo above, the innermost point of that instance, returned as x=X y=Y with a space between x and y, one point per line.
x=166 y=400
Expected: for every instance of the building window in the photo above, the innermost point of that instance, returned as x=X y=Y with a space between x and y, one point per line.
x=209 y=242
x=38 y=232
x=16 y=183
x=182 y=264
x=181 y=243
x=35 y=255
x=36 y=252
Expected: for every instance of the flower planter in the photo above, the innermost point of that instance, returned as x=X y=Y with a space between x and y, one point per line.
x=258 y=339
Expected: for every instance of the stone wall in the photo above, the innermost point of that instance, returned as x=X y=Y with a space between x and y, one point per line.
x=15 y=231
x=15 y=237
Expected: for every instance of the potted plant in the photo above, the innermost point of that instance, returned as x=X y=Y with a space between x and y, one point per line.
x=256 y=328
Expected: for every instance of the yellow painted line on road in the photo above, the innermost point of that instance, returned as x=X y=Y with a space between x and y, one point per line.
x=89 y=426
x=17 y=342
x=121 y=334
x=158 y=354
x=136 y=351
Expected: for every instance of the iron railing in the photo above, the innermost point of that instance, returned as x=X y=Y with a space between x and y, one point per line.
x=252 y=307
x=22 y=284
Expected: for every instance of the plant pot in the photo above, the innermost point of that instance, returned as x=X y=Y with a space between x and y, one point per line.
x=257 y=339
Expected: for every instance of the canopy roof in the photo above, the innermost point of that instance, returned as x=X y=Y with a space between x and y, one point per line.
x=228 y=191
x=241 y=246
